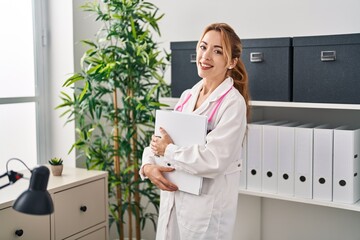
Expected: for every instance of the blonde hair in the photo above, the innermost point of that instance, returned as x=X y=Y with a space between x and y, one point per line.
x=232 y=49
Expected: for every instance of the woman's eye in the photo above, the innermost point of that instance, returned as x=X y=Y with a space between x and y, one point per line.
x=218 y=52
x=202 y=47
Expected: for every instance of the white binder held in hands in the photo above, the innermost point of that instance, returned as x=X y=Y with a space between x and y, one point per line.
x=185 y=129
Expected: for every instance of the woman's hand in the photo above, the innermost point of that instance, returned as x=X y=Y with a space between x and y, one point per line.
x=159 y=144
x=155 y=174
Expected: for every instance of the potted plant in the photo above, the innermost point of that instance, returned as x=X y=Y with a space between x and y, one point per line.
x=56 y=165
x=115 y=95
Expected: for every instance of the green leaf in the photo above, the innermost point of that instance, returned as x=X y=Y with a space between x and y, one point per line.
x=70 y=81
x=83 y=92
x=90 y=43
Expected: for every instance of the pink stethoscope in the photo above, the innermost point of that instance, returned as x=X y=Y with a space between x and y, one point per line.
x=218 y=102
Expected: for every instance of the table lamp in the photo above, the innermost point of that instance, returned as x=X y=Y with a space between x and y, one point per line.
x=36 y=200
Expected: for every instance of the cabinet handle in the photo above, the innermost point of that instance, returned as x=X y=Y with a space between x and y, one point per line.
x=19 y=232
x=83 y=208
x=193 y=58
x=328 y=56
x=256 y=57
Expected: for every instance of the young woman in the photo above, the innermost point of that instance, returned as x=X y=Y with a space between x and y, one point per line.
x=221 y=95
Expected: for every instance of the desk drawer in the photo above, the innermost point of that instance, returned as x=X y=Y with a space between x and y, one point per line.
x=15 y=225
x=79 y=208
x=97 y=234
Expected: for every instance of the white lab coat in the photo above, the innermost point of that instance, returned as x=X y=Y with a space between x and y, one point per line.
x=212 y=214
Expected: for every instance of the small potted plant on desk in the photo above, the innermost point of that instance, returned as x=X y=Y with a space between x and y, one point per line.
x=56 y=165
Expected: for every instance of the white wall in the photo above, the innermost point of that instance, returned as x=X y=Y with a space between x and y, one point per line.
x=61 y=66
x=184 y=21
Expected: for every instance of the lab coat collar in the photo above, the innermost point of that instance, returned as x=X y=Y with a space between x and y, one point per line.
x=214 y=96
x=221 y=89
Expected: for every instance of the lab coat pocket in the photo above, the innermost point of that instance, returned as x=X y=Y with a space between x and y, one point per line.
x=194 y=212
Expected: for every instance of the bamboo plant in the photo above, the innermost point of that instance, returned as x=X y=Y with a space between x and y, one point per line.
x=115 y=95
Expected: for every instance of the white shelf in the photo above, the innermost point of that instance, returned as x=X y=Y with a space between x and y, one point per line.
x=172 y=101
x=351 y=207
x=305 y=105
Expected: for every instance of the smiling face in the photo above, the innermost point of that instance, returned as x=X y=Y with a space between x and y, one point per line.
x=211 y=61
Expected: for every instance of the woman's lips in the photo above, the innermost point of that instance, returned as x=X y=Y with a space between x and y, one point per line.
x=205 y=66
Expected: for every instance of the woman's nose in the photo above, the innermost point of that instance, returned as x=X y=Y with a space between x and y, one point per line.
x=206 y=55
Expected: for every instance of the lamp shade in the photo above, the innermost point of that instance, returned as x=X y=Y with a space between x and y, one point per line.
x=36 y=200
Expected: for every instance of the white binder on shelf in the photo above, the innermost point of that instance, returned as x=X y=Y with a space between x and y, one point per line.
x=346 y=183
x=304 y=135
x=254 y=154
x=243 y=178
x=269 y=179
x=323 y=163
x=286 y=158
x=185 y=129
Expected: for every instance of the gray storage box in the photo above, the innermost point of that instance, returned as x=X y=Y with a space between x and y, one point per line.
x=183 y=66
x=327 y=69
x=268 y=62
